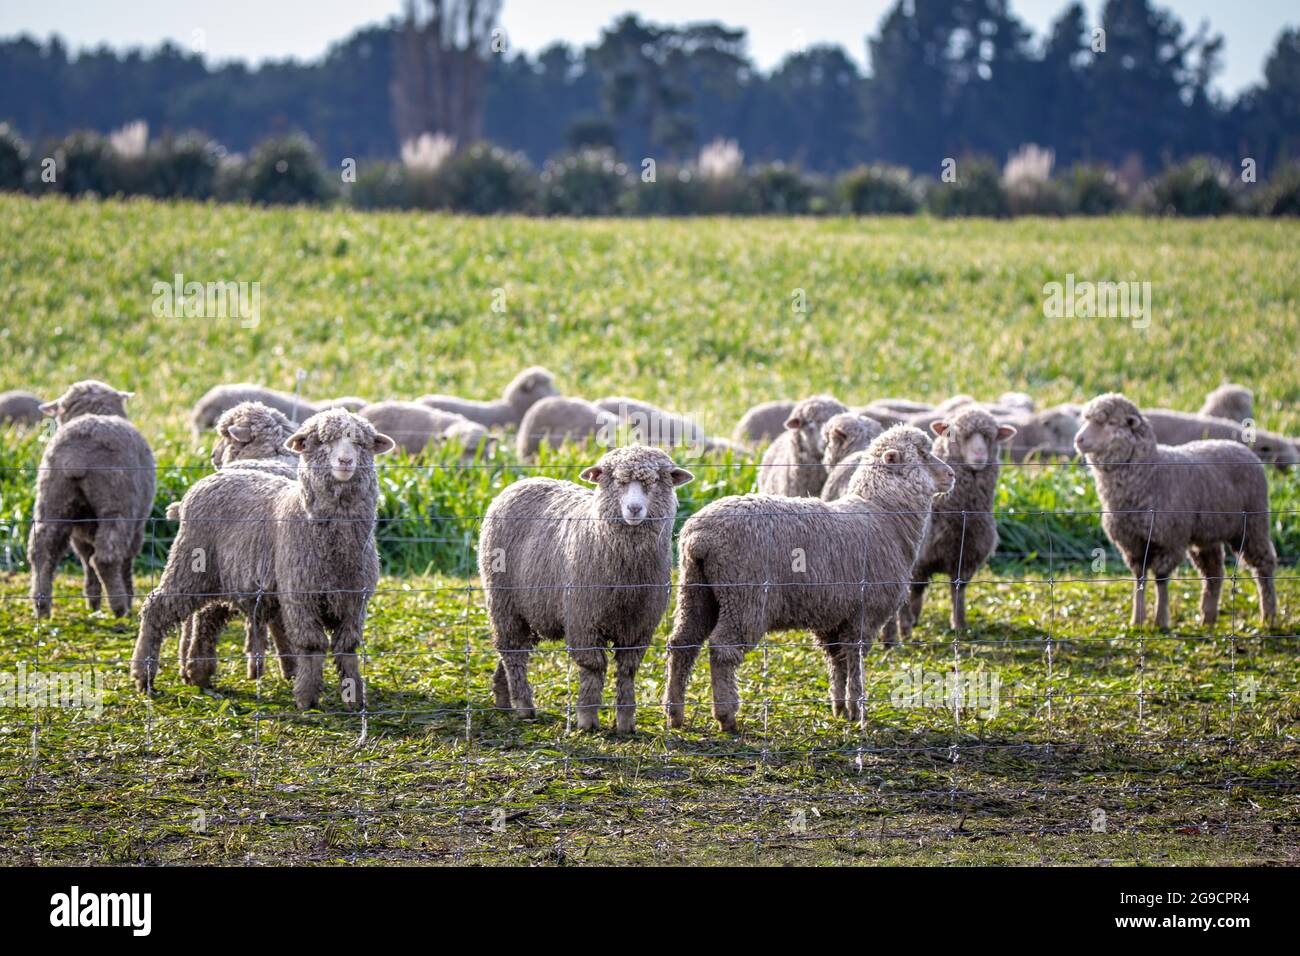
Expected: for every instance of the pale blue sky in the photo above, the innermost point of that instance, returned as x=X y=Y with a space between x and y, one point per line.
x=255 y=30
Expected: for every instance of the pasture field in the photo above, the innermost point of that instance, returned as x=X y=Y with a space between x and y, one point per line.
x=1099 y=742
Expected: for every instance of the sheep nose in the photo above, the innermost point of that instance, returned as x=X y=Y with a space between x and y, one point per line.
x=346 y=463
x=635 y=510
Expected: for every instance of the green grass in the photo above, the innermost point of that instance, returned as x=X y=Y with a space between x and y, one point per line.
x=1156 y=730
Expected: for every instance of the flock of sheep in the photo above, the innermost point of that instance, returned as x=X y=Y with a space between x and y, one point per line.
x=857 y=509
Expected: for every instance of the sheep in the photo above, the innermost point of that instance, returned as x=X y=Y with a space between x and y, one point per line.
x=414 y=426
x=792 y=464
x=1160 y=501
x=524 y=391
x=846 y=437
x=556 y=420
x=963 y=533
x=903 y=406
x=1044 y=434
x=762 y=423
x=94 y=490
x=222 y=398
x=300 y=552
x=1179 y=428
x=350 y=403
x=1017 y=401
x=652 y=425
x=1233 y=402
x=563 y=562
x=253 y=431
x=20 y=408
x=758 y=563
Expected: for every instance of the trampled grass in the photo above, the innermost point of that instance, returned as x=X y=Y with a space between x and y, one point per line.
x=1186 y=741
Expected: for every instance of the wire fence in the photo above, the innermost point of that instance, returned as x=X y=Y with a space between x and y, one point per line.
x=1048 y=731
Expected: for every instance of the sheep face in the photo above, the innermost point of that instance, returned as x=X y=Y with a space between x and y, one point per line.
x=844 y=434
x=1061 y=427
x=806 y=421
x=337 y=442
x=635 y=484
x=1113 y=430
x=87 y=398
x=529 y=387
x=903 y=458
x=971 y=438
x=1275 y=450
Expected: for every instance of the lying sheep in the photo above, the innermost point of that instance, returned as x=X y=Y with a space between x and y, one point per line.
x=792 y=464
x=302 y=552
x=564 y=563
x=350 y=403
x=846 y=437
x=1017 y=401
x=762 y=423
x=20 y=408
x=1160 y=501
x=94 y=490
x=758 y=563
x=415 y=426
x=651 y=425
x=1233 y=402
x=1179 y=428
x=1045 y=434
x=524 y=391
x=221 y=398
x=556 y=420
x=963 y=533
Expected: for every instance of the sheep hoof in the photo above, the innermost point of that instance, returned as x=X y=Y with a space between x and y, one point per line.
x=525 y=711
x=728 y=724
x=676 y=717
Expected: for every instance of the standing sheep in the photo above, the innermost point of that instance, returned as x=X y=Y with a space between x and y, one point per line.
x=792 y=465
x=1233 y=402
x=963 y=533
x=847 y=437
x=556 y=420
x=1179 y=428
x=758 y=563
x=20 y=408
x=414 y=426
x=564 y=563
x=525 y=390
x=762 y=422
x=301 y=550
x=94 y=490
x=1161 y=501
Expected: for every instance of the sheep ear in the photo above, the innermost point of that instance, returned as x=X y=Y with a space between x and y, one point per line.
x=218 y=452
x=938 y=427
x=1133 y=421
x=838 y=434
x=297 y=442
x=125 y=395
x=1006 y=432
x=681 y=476
x=592 y=474
x=794 y=424
x=383 y=444
x=240 y=433
x=50 y=408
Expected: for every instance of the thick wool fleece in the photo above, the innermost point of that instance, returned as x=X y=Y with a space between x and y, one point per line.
x=792 y=465
x=845 y=436
x=524 y=391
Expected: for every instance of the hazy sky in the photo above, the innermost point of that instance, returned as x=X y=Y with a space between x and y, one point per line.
x=255 y=30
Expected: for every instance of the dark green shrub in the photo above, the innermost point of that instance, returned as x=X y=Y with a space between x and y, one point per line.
x=84 y=163
x=381 y=185
x=13 y=158
x=977 y=191
x=589 y=182
x=1200 y=186
x=674 y=192
x=780 y=189
x=1042 y=197
x=1281 y=196
x=1094 y=190
x=486 y=179
x=287 y=170
x=877 y=190
x=184 y=167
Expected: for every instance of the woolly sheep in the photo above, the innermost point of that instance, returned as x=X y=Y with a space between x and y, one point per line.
x=222 y=398
x=1160 y=501
x=556 y=420
x=414 y=426
x=758 y=563
x=525 y=390
x=301 y=552
x=651 y=425
x=1045 y=434
x=1179 y=428
x=1233 y=402
x=846 y=437
x=566 y=563
x=20 y=408
x=349 y=403
x=1018 y=401
x=963 y=534
x=762 y=423
x=94 y=490
x=792 y=464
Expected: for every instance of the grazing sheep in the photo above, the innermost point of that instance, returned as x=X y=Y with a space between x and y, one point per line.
x=414 y=426
x=564 y=563
x=758 y=563
x=524 y=391
x=298 y=552
x=94 y=490
x=762 y=423
x=846 y=437
x=651 y=425
x=556 y=420
x=1017 y=401
x=963 y=533
x=222 y=398
x=20 y=408
x=1233 y=402
x=903 y=406
x=1179 y=428
x=349 y=403
x=792 y=464
x=1160 y=501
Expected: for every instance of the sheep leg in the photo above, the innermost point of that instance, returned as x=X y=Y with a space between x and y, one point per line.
x=627 y=661
x=47 y=545
x=201 y=654
x=1139 y=600
x=889 y=631
x=1162 y=601
x=851 y=656
x=347 y=637
x=835 y=671
x=308 y=642
x=591 y=684
x=288 y=663
x=1259 y=555
x=910 y=611
x=958 y=605
x=501 y=688
x=727 y=648
x=111 y=561
x=513 y=639
x=683 y=649
x=85 y=550
x=1209 y=562
x=187 y=638
x=167 y=606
